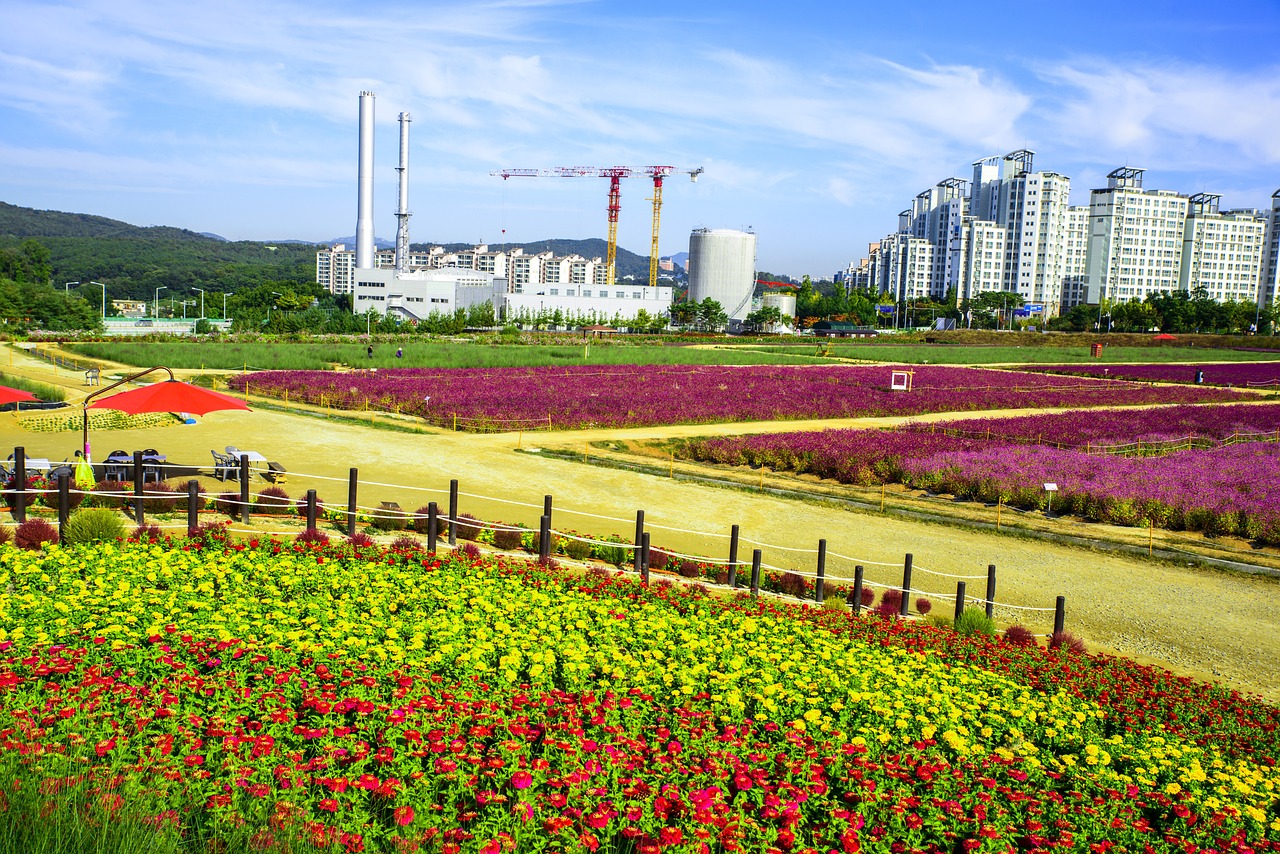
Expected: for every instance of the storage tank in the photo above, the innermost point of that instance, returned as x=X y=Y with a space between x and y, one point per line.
x=785 y=301
x=722 y=266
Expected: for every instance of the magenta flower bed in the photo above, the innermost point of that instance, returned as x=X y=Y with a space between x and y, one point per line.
x=1244 y=374
x=1122 y=426
x=866 y=457
x=641 y=395
x=1225 y=490
x=1228 y=490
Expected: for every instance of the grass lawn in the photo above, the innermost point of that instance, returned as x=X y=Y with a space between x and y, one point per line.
x=419 y=354
x=953 y=354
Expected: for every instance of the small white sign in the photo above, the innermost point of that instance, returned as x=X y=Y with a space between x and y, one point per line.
x=1051 y=487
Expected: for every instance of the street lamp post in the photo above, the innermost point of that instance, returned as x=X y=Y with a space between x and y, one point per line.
x=274 y=294
x=104 y=298
x=201 y=290
x=66 y=287
x=224 y=305
x=156 y=313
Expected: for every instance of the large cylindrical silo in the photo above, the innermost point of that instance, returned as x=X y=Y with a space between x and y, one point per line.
x=722 y=266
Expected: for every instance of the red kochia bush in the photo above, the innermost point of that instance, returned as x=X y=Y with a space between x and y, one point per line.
x=311 y=535
x=1067 y=641
x=34 y=533
x=1017 y=635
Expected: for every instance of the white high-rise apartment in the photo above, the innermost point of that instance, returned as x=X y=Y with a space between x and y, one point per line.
x=983 y=246
x=1035 y=216
x=1135 y=238
x=1222 y=251
x=1075 y=269
x=1269 y=282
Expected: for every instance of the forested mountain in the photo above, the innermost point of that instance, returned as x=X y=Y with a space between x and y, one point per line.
x=134 y=261
x=27 y=222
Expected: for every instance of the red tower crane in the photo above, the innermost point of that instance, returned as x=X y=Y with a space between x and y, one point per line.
x=615 y=174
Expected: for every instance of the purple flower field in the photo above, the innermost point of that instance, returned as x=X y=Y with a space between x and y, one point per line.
x=1121 y=426
x=1228 y=490
x=1236 y=374
x=643 y=395
x=1221 y=490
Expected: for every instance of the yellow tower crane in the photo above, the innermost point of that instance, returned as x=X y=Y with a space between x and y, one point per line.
x=615 y=174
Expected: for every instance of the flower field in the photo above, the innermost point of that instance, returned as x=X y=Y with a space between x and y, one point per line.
x=1218 y=490
x=642 y=395
x=1255 y=373
x=284 y=696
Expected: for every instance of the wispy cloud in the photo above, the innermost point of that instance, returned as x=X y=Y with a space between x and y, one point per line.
x=1176 y=116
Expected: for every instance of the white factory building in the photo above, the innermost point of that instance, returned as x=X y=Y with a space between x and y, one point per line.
x=414 y=285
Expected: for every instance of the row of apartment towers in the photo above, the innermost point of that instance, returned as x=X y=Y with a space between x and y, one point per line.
x=335 y=267
x=1013 y=229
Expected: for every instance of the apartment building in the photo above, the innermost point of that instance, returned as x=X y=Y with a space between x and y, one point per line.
x=1269 y=282
x=1129 y=241
x=1135 y=238
x=1222 y=251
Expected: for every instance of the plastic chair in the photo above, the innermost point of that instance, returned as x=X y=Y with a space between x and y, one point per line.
x=225 y=467
x=116 y=466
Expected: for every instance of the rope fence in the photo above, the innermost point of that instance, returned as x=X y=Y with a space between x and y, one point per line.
x=241 y=506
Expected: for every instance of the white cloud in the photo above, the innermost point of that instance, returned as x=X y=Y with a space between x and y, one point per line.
x=1175 y=116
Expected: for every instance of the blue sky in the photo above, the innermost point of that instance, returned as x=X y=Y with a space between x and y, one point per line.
x=816 y=123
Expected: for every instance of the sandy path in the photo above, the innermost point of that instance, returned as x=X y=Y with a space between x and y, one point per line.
x=1215 y=625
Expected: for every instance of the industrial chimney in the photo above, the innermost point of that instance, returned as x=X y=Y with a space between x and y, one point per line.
x=364 y=207
x=402 y=214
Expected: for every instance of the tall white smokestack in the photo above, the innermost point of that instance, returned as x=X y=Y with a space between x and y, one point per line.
x=364 y=208
x=402 y=215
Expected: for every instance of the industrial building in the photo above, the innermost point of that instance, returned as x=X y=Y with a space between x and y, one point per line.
x=413 y=285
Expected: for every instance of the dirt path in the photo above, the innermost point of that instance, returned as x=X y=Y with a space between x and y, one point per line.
x=1210 y=624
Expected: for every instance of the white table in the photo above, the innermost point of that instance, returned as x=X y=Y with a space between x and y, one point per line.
x=38 y=464
x=257 y=462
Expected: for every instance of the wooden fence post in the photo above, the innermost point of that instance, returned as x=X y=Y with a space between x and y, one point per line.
x=960 y=587
x=544 y=538
x=639 y=537
x=139 y=514
x=642 y=558
x=857 y=588
x=352 y=482
x=819 y=585
x=64 y=504
x=244 y=488
x=20 y=484
x=453 y=512
x=311 y=509
x=755 y=574
x=433 y=526
x=991 y=590
x=906 y=586
x=193 y=505
x=733 y=557
x=1059 y=614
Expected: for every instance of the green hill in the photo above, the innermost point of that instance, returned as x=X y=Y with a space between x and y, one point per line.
x=22 y=222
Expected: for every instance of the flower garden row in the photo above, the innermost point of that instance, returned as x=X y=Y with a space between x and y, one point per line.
x=1221 y=490
x=1243 y=374
x=641 y=395
x=394 y=701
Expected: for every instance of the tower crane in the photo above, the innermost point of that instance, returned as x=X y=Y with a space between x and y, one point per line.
x=615 y=174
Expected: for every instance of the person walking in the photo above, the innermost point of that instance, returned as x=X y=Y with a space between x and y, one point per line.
x=370 y=351
x=399 y=352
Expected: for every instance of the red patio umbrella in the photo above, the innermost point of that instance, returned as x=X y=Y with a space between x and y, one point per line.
x=168 y=396
x=15 y=395
x=1164 y=336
